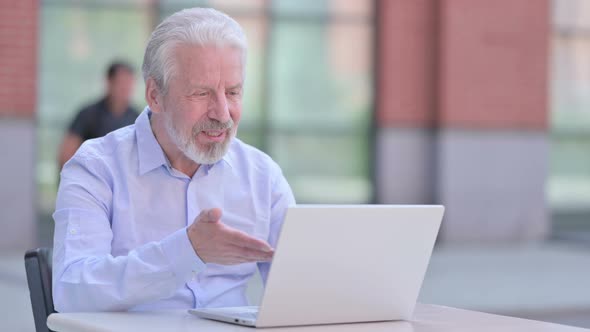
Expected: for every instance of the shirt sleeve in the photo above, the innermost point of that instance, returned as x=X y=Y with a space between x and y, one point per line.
x=86 y=276
x=281 y=198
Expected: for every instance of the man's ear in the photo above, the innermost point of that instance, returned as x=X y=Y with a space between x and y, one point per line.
x=153 y=96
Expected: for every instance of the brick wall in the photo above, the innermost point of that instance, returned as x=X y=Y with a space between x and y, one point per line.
x=463 y=63
x=494 y=60
x=407 y=63
x=18 y=57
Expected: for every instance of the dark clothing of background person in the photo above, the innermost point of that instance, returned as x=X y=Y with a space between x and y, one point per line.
x=96 y=120
x=111 y=112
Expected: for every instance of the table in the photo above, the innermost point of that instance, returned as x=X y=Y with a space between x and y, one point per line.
x=427 y=318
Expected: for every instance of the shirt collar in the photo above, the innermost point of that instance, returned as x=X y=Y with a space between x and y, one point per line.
x=150 y=153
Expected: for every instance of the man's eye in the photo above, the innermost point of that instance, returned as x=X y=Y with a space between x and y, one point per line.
x=233 y=93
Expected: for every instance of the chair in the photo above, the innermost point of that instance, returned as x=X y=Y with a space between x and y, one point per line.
x=38 y=267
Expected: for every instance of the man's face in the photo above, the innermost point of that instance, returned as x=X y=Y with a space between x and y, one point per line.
x=203 y=105
x=120 y=86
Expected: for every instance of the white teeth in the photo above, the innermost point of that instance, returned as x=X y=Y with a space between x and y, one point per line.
x=213 y=134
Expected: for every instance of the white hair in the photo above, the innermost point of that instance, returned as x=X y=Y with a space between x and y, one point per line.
x=194 y=26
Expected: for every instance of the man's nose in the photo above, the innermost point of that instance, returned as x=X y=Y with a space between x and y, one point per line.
x=219 y=109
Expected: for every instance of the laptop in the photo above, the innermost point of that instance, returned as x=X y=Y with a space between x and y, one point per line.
x=343 y=264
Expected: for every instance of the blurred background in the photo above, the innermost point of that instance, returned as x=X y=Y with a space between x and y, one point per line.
x=483 y=106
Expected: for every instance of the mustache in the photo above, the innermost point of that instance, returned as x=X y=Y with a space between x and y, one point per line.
x=212 y=125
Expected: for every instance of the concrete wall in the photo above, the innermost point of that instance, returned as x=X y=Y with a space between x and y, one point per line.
x=493 y=185
x=17 y=192
x=406 y=160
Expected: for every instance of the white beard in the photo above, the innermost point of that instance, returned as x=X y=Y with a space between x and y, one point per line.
x=210 y=154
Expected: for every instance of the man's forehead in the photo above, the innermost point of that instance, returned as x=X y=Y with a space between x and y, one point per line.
x=209 y=55
x=201 y=63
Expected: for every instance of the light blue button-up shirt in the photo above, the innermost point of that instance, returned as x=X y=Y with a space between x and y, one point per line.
x=120 y=238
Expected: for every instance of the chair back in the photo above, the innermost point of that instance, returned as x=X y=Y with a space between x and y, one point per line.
x=38 y=267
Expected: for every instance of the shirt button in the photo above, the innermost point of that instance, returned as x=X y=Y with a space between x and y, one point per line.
x=73 y=231
x=194 y=278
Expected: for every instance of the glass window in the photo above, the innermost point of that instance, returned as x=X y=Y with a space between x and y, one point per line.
x=569 y=181
x=320 y=101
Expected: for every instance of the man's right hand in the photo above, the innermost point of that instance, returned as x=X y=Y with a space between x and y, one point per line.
x=217 y=243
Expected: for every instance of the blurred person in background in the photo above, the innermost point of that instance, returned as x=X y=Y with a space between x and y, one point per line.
x=111 y=112
x=173 y=212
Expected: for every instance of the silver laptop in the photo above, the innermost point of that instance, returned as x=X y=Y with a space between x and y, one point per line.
x=343 y=264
